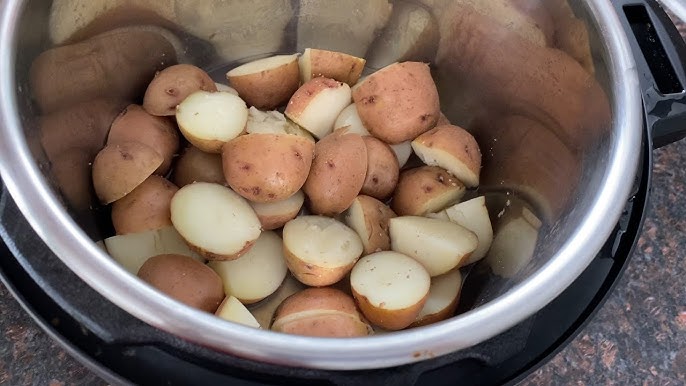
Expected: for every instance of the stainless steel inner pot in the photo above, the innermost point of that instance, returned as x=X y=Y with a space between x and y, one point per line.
x=562 y=143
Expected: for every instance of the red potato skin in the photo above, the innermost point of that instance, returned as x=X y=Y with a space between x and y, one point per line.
x=145 y=208
x=268 y=89
x=303 y=96
x=172 y=85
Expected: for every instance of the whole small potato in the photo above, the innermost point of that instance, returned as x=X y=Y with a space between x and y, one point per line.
x=322 y=312
x=184 y=279
x=172 y=85
x=382 y=169
x=145 y=208
x=194 y=165
x=424 y=190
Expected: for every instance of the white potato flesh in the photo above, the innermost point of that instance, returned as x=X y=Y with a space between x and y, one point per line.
x=211 y=117
x=264 y=310
x=438 y=245
x=260 y=65
x=134 y=249
x=434 y=156
x=473 y=215
x=322 y=241
x=233 y=310
x=513 y=247
x=256 y=274
x=214 y=218
x=371 y=224
x=285 y=209
x=224 y=88
x=319 y=113
x=442 y=215
x=390 y=280
x=443 y=293
x=273 y=122
x=402 y=151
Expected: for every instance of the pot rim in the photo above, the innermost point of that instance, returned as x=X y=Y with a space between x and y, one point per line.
x=53 y=224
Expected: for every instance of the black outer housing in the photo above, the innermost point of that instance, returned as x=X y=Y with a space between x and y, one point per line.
x=123 y=350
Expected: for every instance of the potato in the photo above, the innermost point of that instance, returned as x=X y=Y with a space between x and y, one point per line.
x=174 y=84
x=277 y=173
x=119 y=168
x=438 y=245
x=411 y=34
x=145 y=208
x=215 y=221
x=442 y=215
x=116 y=65
x=390 y=289
x=443 y=120
x=134 y=249
x=319 y=250
x=444 y=295
x=194 y=165
x=316 y=105
x=514 y=241
x=369 y=218
x=184 y=279
x=273 y=122
x=330 y=64
x=453 y=149
x=337 y=174
x=398 y=102
x=233 y=310
x=425 y=190
x=382 y=169
x=135 y=124
x=473 y=215
x=276 y=214
x=224 y=88
x=266 y=83
x=320 y=312
x=209 y=120
x=256 y=274
x=264 y=310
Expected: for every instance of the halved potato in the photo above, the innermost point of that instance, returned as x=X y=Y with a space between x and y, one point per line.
x=330 y=64
x=319 y=250
x=316 y=105
x=233 y=310
x=322 y=312
x=444 y=295
x=452 y=148
x=120 y=167
x=438 y=245
x=424 y=190
x=276 y=214
x=266 y=83
x=267 y=167
x=273 y=122
x=473 y=215
x=195 y=165
x=402 y=151
x=382 y=169
x=443 y=120
x=264 y=311
x=369 y=218
x=145 y=208
x=209 y=120
x=514 y=241
x=174 y=84
x=224 y=88
x=390 y=288
x=214 y=220
x=256 y=274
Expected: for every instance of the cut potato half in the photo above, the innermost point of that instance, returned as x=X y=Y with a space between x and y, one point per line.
x=274 y=215
x=444 y=295
x=390 y=288
x=424 y=190
x=273 y=122
x=214 y=220
x=209 y=120
x=442 y=215
x=514 y=241
x=233 y=310
x=330 y=64
x=224 y=88
x=317 y=104
x=438 y=245
x=266 y=83
x=473 y=215
x=264 y=311
x=382 y=169
x=369 y=217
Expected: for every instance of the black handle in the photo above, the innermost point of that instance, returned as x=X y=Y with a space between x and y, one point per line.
x=660 y=54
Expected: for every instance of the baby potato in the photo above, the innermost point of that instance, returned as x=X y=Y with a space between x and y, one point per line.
x=184 y=279
x=337 y=174
x=390 y=289
x=319 y=250
x=369 y=217
x=145 y=208
x=382 y=169
x=444 y=295
x=273 y=122
x=424 y=190
x=399 y=102
x=224 y=88
x=453 y=149
x=264 y=311
x=233 y=310
x=214 y=220
x=174 y=84
x=120 y=167
x=267 y=167
x=316 y=105
x=320 y=312
x=266 y=83
x=473 y=215
x=135 y=124
x=276 y=214
x=330 y=64
x=194 y=165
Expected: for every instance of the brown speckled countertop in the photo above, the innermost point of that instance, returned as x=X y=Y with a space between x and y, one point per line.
x=637 y=338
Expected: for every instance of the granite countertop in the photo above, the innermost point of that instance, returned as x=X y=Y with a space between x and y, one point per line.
x=638 y=337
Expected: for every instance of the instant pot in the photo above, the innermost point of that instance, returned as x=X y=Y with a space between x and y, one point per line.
x=584 y=168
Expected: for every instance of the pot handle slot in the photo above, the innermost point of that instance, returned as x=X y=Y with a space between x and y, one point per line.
x=660 y=54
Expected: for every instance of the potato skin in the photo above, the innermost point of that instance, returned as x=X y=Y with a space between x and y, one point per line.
x=278 y=172
x=145 y=208
x=194 y=165
x=418 y=186
x=382 y=169
x=160 y=133
x=172 y=85
x=314 y=275
x=398 y=102
x=337 y=174
x=268 y=89
x=336 y=65
x=184 y=279
x=389 y=319
x=376 y=216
